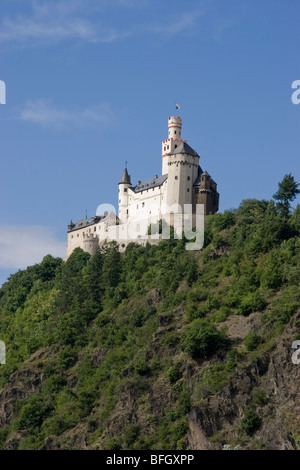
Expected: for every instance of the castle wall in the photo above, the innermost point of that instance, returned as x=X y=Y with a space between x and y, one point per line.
x=146 y=203
x=181 y=175
x=83 y=237
x=209 y=198
x=137 y=210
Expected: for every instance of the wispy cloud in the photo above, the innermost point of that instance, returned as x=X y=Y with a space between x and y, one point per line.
x=26 y=29
x=52 y=22
x=24 y=246
x=43 y=113
x=183 y=22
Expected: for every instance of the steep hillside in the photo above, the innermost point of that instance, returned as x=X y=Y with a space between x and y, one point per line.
x=159 y=347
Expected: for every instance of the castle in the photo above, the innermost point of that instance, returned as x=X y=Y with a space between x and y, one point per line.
x=181 y=184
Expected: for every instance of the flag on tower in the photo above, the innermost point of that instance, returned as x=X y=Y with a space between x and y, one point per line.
x=177 y=106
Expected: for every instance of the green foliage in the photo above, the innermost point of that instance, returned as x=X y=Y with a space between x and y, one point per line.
x=260 y=397
x=184 y=400
x=33 y=413
x=141 y=367
x=253 y=302
x=250 y=422
x=3 y=435
x=214 y=379
x=202 y=339
x=252 y=341
x=295 y=220
x=173 y=374
x=113 y=444
x=283 y=307
x=131 y=434
x=90 y=335
x=287 y=193
x=111 y=271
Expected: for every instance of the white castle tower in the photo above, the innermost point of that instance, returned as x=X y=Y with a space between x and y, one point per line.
x=182 y=182
x=124 y=185
x=181 y=163
x=174 y=128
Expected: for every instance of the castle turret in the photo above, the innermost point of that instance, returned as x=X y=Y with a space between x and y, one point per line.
x=171 y=143
x=205 y=192
x=71 y=226
x=174 y=126
x=124 y=184
x=90 y=244
x=181 y=164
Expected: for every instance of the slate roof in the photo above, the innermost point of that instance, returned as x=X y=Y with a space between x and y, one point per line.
x=153 y=183
x=198 y=179
x=183 y=147
x=125 y=177
x=87 y=222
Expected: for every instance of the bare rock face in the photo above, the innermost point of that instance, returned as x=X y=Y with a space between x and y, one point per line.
x=214 y=419
x=197 y=436
x=221 y=414
x=22 y=384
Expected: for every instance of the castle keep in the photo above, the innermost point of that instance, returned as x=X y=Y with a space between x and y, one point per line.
x=181 y=183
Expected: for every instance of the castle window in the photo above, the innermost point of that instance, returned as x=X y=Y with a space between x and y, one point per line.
x=164 y=148
x=176 y=177
x=127 y=211
x=188 y=190
x=71 y=236
x=137 y=206
x=143 y=204
x=125 y=190
x=77 y=234
x=174 y=132
x=176 y=146
x=196 y=190
x=188 y=178
x=95 y=228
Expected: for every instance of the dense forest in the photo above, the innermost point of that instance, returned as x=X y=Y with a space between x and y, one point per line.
x=159 y=347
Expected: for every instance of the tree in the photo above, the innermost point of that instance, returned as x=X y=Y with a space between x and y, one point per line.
x=287 y=193
x=112 y=266
x=201 y=338
x=251 y=422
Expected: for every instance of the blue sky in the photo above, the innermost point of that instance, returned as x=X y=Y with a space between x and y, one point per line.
x=91 y=84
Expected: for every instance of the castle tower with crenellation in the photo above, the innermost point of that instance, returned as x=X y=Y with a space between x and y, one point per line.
x=181 y=183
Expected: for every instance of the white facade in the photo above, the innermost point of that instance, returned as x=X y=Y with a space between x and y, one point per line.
x=162 y=197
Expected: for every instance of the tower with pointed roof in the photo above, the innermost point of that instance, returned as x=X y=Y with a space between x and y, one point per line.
x=181 y=163
x=124 y=185
x=182 y=182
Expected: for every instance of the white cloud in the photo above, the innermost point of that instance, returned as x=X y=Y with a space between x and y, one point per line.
x=24 y=29
x=21 y=247
x=43 y=113
x=175 y=25
x=52 y=22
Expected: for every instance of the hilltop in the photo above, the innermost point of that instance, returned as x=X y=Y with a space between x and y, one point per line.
x=158 y=347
